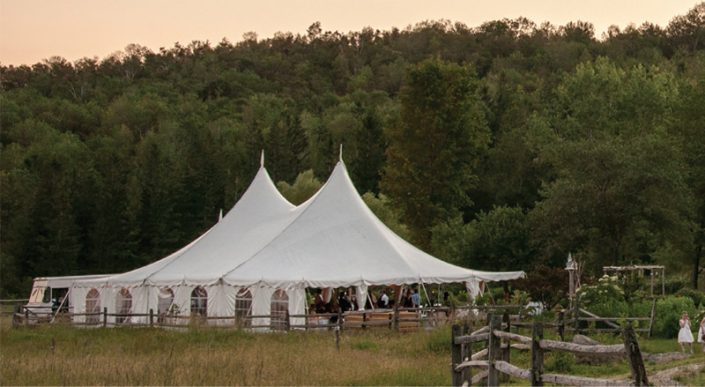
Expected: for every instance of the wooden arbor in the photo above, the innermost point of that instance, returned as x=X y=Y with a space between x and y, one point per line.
x=640 y=271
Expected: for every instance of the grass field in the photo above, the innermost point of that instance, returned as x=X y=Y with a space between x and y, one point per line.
x=52 y=355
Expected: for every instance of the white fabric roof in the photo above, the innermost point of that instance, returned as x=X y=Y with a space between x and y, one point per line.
x=204 y=260
x=332 y=240
x=335 y=240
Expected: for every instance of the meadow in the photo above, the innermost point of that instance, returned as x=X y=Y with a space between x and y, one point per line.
x=53 y=355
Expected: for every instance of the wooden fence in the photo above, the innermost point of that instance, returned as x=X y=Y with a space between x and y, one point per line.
x=399 y=319
x=494 y=359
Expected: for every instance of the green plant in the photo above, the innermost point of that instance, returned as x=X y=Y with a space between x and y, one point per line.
x=698 y=296
x=560 y=362
x=606 y=298
x=668 y=312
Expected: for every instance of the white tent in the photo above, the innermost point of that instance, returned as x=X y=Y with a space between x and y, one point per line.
x=265 y=244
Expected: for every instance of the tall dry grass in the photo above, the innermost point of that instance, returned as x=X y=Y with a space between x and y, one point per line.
x=70 y=356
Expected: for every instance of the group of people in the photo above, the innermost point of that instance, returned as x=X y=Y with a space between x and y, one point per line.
x=342 y=302
x=385 y=299
x=685 y=335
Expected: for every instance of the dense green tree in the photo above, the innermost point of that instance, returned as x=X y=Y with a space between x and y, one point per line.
x=433 y=153
x=495 y=240
x=620 y=193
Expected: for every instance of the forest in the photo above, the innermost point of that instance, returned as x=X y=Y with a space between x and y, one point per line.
x=500 y=147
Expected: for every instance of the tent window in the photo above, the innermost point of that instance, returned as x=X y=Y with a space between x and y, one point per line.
x=164 y=305
x=243 y=307
x=280 y=307
x=199 y=302
x=93 y=307
x=123 y=306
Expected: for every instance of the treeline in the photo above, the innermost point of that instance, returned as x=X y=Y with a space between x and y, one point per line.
x=504 y=146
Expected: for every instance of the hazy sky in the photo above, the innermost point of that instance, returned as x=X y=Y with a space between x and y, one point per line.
x=33 y=30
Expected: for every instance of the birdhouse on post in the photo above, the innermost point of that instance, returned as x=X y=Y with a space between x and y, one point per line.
x=572 y=266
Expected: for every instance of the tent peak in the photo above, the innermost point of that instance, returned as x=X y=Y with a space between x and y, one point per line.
x=340 y=157
x=261 y=159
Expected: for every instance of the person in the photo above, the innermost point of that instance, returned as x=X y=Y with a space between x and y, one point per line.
x=343 y=302
x=383 y=300
x=353 y=302
x=407 y=299
x=319 y=305
x=701 y=333
x=415 y=298
x=685 y=336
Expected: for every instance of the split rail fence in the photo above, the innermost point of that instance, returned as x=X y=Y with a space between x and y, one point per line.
x=494 y=359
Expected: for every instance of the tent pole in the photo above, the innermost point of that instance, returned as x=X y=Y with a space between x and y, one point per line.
x=370 y=299
x=66 y=296
x=426 y=291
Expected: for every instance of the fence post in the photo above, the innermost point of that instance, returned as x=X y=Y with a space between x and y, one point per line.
x=507 y=350
x=494 y=351
x=395 y=322
x=287 y=323
x=536 y=355
x=364 y=319
x=467 y=352
x=631 y=345
x=105 y=317
x=151 y=317
x=561 y=325
x=456 y=356
x=653 y=316
x=576 y=315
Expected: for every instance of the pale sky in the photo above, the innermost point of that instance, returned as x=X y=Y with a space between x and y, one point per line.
x=33 y=30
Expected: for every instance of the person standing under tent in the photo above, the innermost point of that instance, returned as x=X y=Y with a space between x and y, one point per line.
x=685 y=336
x=701 y=333
x=344 y=302
x=353 y=302
x=319 y=305
x=415 y=298
x=383 y=299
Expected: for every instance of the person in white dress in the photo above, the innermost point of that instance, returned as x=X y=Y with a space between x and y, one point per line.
x=701 y=333
x=685 y=336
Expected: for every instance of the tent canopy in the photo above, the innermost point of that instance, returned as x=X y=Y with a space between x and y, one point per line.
x=332 y=240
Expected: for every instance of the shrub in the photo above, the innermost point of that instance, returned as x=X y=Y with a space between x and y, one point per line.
x=697 y=296
x=606 y=298
x=668 y=312
x=545 y=284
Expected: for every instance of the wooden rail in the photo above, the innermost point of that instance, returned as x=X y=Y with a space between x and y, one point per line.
x=400 y=319
x=497 y=357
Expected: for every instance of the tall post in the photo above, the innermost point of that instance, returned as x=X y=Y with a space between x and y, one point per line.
x=536 y=355
x=651 y=274
x=467 y=352
x=561 y=325
x=494 y=351
x=151 y=317
x=395 y=321
x=456 y=356
x=631 y=345
x=105 y=317
x=571 y=266
x=506 y=326
x=576 y=316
